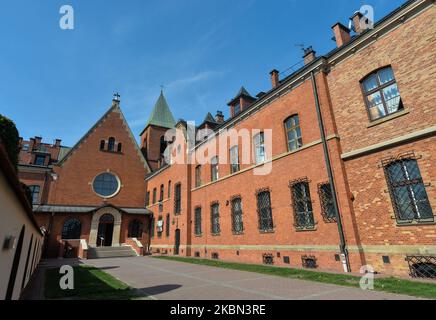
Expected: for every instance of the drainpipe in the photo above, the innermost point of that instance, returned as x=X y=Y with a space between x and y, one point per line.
x=343 y=244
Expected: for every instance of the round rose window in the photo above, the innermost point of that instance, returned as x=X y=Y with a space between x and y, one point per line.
x=106 y=185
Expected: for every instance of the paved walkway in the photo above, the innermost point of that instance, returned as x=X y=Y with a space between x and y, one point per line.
x=171 y=280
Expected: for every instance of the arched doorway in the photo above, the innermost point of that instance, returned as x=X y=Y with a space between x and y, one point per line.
x=105 y=230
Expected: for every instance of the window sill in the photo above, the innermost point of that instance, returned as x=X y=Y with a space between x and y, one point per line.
x=199 y=235
x=238 y=233
x=216 y=234
x=266 y=231
x=308 y=229
x=388 y=118
x=415 y=223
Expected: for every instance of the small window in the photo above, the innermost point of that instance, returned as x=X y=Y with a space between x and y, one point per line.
x=302 y=205
x=215 y=255
x=259 y=148
x=234 y=159
x=268 y=258
x=407 y=190
x=102 y=144
x=111 y=144
x=236 y=109
x=154 y=195
x=25 y=147
x=309 y=262
x=215 y=219
x=237 y=223
x=119 y=147
x=34 y=191
x=197 y=221
x=135 y=229
x=326 y=200
x=178 y=199
x=198 y=176
x=422 y=266
x=147 y=199
x=40 y=160
x=293 y=133
x=381 y=94
x=264 y=211
x=71 y=229
x=214 y=169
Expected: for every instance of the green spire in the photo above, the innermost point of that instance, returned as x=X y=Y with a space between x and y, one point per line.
x=161 y=115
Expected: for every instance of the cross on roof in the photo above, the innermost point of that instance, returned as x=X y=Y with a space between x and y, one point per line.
x=117 y=96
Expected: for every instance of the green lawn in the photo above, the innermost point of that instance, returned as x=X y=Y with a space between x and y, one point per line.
x=89 y=283
x=390 y=284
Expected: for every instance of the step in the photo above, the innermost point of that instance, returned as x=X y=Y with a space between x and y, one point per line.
x=111 y=252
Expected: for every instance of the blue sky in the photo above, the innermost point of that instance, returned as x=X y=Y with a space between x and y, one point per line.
x=56 y=83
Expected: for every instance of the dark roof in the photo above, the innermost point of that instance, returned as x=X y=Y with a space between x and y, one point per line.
x=161 y=115
x=242 y=93
x=209 y=118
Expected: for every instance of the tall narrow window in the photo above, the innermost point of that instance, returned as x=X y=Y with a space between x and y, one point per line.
x=215 y=218
x=214 y=169
x=197 y=221
x=178 y=199
x=169 y=189
x=237 y=224
x=326 y=199
x=102 y=144
x=152 y=227
x=259 y=148
x=160 y=224
x=381 y=93
x=234 y=159
x=111 y=144
x=302 y=205
x=154 y=195
x=236 y=109
x=147 y=199
x=407 y=189
x=264 y=211
x=161 y=194
x=293 y=133
x=119 y=147
x=167 y=226
x=34 y=191
x=198 y=176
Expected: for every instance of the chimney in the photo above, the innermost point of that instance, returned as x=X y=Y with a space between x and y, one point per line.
x=275 y=78
x=57 y=143
x=37 y=141
x=309 y=55
x=219 y=117
x=342 y=34
x=356 y=18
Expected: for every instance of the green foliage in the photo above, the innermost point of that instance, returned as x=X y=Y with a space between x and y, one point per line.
x=9 y=136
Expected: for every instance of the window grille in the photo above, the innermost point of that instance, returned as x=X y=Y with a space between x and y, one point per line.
x=167 y=226
x=268 y=258
x=197 y=221
x=264 y=211
x=407 y=190
x=309 y=262
x=234 y=159
x=302 y=204
x=215 y=219
x=422 y=266
x=326 y=200
x=215 y=255
x=178 y=199
x=237 y=223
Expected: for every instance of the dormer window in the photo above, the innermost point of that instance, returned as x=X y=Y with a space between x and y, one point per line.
x=39 y=160
x=236 y=109
x=381 y=93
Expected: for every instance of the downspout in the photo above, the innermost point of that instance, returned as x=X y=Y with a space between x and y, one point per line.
x=343 y=244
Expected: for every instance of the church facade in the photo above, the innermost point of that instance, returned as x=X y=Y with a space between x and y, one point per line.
x=331 y=168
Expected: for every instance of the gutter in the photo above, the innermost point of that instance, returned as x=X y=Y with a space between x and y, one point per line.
x=343 y=245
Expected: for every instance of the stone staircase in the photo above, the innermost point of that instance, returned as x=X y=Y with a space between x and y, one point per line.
x=111 y=252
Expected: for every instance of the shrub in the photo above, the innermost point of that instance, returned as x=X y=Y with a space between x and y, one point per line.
x=10 y=138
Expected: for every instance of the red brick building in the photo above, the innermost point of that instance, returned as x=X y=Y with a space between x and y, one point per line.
x=331 y=168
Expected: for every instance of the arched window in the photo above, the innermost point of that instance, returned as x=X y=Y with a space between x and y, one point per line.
x=120 y=147
x=198 y=176
x=264 y=211
x=102 y=144
x=259 y=148
x=111 y=144
x=293 y=133
x=135 y=229
x=215 y=218
x=381 y=93
x=214 y=169
x=237 y=224
x=167 y=226
x=72 y=229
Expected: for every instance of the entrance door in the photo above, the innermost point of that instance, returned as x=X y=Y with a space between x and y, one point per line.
x=177 y=244
x=105 y=230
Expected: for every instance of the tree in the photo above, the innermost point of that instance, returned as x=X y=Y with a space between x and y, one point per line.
x=10 y=138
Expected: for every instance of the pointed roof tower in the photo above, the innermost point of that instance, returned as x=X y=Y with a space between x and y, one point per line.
x=161 y=115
